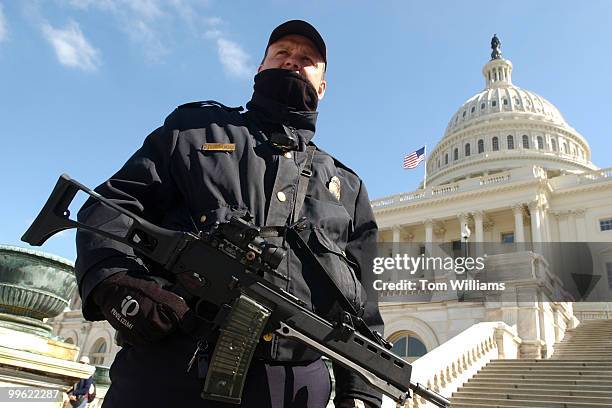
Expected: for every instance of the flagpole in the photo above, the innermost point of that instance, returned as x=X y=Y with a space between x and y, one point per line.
x=425 y=175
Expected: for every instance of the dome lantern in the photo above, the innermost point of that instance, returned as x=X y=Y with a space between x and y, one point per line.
x=498 y=71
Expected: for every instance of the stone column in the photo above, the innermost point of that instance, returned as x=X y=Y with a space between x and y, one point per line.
x=519 y=229
x=428 y=230
x=581 y=231
x=478 y=233
x=463 y=220
x=571 y=226
x=553 y=221
x=536 y=226
x=396 y=233
x=478 y=226
x=536 y=221
x=564 y=227
x=396 y=230
x=546 y=219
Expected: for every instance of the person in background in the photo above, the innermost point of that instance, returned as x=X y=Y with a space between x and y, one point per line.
x=80 y=393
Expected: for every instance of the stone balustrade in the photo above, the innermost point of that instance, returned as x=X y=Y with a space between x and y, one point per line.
x=596 y=175
x=575 y=180
x=593 y=315
x=447 y=367
x=445 y=189
x=458 y=187
x=495 y=178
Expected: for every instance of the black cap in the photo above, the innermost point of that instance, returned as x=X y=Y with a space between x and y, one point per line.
x=299 y=27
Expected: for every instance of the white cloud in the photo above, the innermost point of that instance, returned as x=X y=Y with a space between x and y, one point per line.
x=71 y=47
x=146 y=9
x=213 y=34
x=147 y=23
x=214 y=21
x=139 y=19
x=3 y=29
x=86 y=4
x=234 y=59
x=141 y=32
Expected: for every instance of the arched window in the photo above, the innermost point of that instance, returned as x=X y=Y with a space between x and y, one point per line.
x=480 y=146
x=540 y=141
x=409 y=347
x=456 y=154
x=438 y=162
x=510 y=142
x=563 y=148
x=446 y=158
x=553 y=145
x=98 y=352
x=525 y=142
x=467 y=150
x=495 y=143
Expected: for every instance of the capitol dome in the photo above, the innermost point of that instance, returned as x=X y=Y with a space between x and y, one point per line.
x=505 y=127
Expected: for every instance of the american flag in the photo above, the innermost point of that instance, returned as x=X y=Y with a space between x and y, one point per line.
x=413 y=159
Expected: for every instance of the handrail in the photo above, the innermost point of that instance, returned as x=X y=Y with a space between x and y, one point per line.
x=448 y=366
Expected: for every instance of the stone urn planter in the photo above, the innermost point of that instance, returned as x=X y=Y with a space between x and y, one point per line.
x=33 y=286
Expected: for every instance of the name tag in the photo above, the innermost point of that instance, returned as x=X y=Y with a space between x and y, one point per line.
x=219 y=147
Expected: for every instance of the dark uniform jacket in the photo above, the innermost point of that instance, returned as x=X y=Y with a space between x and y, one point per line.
x=175 y=182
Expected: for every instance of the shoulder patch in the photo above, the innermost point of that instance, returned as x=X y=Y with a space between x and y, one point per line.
x=203 y=104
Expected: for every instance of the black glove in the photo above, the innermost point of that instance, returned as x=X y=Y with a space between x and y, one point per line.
x=140 y=309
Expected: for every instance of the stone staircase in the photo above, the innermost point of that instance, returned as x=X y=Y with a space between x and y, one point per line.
x=578 y=375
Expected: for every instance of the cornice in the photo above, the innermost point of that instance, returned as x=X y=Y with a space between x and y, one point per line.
x=454 y=196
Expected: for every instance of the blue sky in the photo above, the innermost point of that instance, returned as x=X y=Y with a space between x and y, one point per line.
x=82 y=82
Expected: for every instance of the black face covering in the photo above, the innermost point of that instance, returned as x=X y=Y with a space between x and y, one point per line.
x=288 y=88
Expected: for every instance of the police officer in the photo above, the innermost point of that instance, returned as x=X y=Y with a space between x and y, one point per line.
x=207 y=163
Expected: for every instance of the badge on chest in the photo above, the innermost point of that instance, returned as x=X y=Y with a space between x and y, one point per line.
x=334 y=187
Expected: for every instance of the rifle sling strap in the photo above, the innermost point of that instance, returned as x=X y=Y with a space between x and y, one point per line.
x=302 y=185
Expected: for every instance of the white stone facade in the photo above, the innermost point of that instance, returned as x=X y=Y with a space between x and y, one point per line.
x=94 y=339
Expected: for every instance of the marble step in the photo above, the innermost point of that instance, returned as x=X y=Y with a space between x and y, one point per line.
x=548 y=396
x=535 y=403
x=593 y=390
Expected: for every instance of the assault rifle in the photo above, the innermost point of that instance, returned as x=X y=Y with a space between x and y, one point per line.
x=224 y=267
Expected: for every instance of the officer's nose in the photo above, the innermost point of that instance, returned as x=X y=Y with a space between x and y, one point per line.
x=291 y=64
